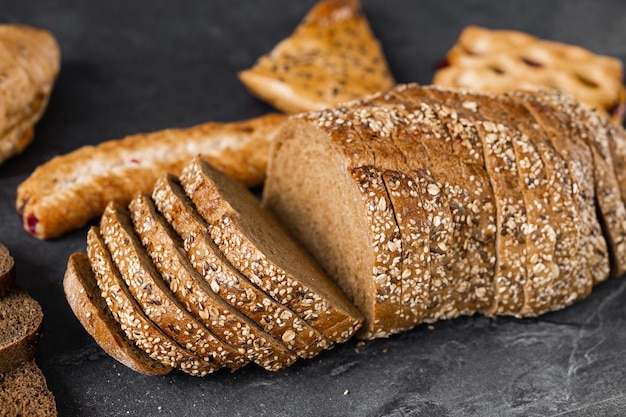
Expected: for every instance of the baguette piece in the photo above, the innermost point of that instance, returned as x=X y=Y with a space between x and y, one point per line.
x=154 y=296
x=69 y=190
x=29 y=61
x=258 y=246
x=226 y=281
x=24 y=392
x=7 y=271
x=21 y=318
x=83 y=296
x=138 y=328
x=165 y=249
x=330 y=58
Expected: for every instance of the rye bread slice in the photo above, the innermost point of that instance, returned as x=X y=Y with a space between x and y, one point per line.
x=24 y=392
x=259 y=247
x=21 y=321
x=127 y=312
x=226 y=281
x=7 y=271
x=85 y=300
x=228 y=324
x=154 y=296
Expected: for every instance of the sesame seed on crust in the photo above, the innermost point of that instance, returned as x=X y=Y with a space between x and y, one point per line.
x=166 y=250
x=225 y=281
x=140 y=329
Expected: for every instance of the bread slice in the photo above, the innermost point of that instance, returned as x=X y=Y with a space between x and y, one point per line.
x=21 y=321
x=29 y=61
x=258 y=246
x=154 y=295
x=69 y=190
x=7 y=271
x=24 y=392
x=227 y=282
x=331 y=57
x=85 y=300
x=166 y=250
x=573 y=166
x=127 y=312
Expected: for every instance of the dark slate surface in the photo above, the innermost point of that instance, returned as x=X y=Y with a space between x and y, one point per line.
x=133 y=66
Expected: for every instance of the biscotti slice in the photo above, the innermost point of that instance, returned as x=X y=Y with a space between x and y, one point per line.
x=85 y=300
x=166 y=250
x=7 y=271
x=69 y=190
x=127 y=312
x=573 y=164
x=24 y=392
x=154 y=296
x=331 y=57
x=258 y=246
x=226 y=281
x=21 y=320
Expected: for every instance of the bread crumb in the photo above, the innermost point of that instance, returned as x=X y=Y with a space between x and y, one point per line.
x=346 y=392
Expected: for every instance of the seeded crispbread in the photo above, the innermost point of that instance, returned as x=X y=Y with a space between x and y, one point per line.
x=21 y=320
x=331 y=57
x=259 y=247
x=154 y=296
x=85 y=300
x=7 y=271
x=226 y=281
x=127 y=312
x=24 y=392
x=166 y=250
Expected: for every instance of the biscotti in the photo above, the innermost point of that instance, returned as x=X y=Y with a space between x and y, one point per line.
x=24 y=392
x=312 y=189
x=69 y=190
x=29 y=61
x=331 y=57
x=83 y=295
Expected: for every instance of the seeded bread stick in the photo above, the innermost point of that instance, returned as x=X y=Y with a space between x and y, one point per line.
x=69 y=190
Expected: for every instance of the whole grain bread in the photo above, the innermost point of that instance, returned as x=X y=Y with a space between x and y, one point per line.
x=21 y=321
x=24 y=392
x=7 y=271
x=85 y=300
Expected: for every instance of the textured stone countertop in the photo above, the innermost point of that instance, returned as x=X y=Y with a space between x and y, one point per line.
x=138 y=66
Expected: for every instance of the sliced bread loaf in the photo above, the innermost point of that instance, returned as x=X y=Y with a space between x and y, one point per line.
x=21 y=320
x=7 y=271
x=24 y=392
x=83 y=296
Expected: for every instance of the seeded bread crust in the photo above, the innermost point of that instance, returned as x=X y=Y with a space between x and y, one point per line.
x=69 y=190
x=155 y=297
x=7 y=271
x=21 y=318
x=257 y=245
x=166 y=250
x=574 y=168
x=30 y=60
x=137 y=327
x=330 y=58
x=227 y=282
x=83 y=296
x=24 y=392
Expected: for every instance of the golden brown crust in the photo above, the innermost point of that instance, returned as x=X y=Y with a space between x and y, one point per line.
x=331 y=57
x=498 y=61
x=83 y=296
x=69 y=190
x=29 y=61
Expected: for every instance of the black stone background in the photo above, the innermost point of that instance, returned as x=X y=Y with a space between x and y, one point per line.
x=138 y=66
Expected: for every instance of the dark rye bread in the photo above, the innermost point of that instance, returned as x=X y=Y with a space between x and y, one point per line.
x=258 y=246
x=167 y=252
x=154 y=296
x=24 y=392
x=137 y=327
x=85 y=300
x=21 y=320
x=227 y=282
x=7 y=271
